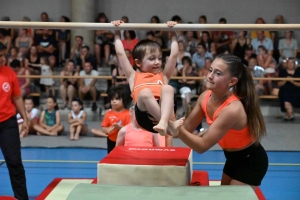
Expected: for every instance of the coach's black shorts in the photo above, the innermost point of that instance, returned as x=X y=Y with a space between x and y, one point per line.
x=248 y=166
x=143 y=118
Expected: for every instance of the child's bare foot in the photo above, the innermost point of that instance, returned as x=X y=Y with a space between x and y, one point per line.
x=71 y=137
x=53 y=133
x=22 y=134
x=161 y=128
x=37 y=133
x=76 y=138
x=174 y=126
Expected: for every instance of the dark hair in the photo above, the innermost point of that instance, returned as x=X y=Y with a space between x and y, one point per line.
x=101 y=15
x=79 y=36
x=15 y=63
x=202 y=44
x=209 y=58
x=260 y=19
x=244 y=89
x=263 y=48
x=186 y=58
x=203 y=17
x=29 y=98
x=72 y=61
x=15 y=48
x=67 y=19
x=2 y=31
x=142 y=46
x=156 y=18
x=2 y=46
x=223 y=20
x=46 y=59
x=132 y=34
x=54 y=100
x=150 y=33
x=176 y=18
x=79 y=102
x=125 y=18
x=85 y=47
x=122 y=93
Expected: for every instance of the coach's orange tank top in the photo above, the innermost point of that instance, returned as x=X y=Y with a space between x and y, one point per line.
x=144 y=80
x=233 y=139
x=137 y=137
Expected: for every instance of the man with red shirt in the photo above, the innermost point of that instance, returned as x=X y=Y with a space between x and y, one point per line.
x=10 y=100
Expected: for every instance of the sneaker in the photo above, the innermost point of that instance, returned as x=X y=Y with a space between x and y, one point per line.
x=94 y=107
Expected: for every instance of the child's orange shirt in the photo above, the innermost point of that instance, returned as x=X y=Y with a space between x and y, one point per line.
x=151 y=81
x=112 y=117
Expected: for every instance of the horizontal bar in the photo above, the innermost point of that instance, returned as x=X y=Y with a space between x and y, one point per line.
x=145 y=26
x=174 y=77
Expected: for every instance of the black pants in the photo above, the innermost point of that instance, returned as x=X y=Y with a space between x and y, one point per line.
x=110 y=145
x=11 y=148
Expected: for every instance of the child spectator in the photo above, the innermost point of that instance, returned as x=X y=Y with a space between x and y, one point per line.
x=20 y=125
x=32 y=114
x=46 y=71
x=24 y=83
x=133 y=135
x=77 y=120
x=50 y=119
x=117 y=117
x=150 y=83
x=14 y=54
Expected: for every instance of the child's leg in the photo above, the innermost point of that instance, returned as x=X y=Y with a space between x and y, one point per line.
x=57 y=131
x=21 y=132
x=84 y=130
x=40 y=130
x=53 y=90
x=77 y=132
x=47 y=89
x=72 y=132
x=98 y=132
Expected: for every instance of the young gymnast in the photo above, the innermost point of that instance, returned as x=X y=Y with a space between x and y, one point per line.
x=77 y=120
x=231 y=108
x=32 y=113
x=133 y=135
x=149 y=84
x=50 y=119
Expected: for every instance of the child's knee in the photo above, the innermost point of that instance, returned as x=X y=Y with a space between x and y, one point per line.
x=167 y=88
x=145 y=93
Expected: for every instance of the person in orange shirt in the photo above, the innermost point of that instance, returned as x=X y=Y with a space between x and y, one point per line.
x=231 y=108
x=117 y=117
x=10 y=143
x=132 y=135
x=149 y=84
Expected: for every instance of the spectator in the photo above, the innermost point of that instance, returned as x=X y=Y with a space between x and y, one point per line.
x=30 y=31
x=159 y=35
x=180 y=35
x=86 y=56
x=222 y=39
x=76 y=51
x=14 y=54
x=249 y=53
x=262 y=40
x=191 y=41
x=87 y=85
x=117 y=117
x=63 y=39
x=129 y=42
x=202 y=20
x=133 y=135
x=257 y=72
x=5 y=40
x=49 y=123
x=289 y=91
x=68 y=86
x=126 y=20
x=276 y=36
x=23 y=42
x=264 y=59
x=239 y=45
x=151 y=36
x=204 y=73
x=210 y=45
x=32 y=114
x=198 y=58
x=288 y=47
x=182 y=53
x=77 y=120
x=24 y=83
x=103 y=41
x=39 y=32
x=254 y=34
x=33 y=57
x=46 y=45
x=8 y=31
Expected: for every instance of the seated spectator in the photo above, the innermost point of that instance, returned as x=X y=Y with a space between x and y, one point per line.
x=257 y=72
x=249 y=53
x=203 y=20
x=126 y=20
x=76 y=51
x=118 y=71
x=103 y=40
x=34 y=58
x=86 y=56
x=180 y=35
x=222 y=39
x=24 y=83
x=14 y=54
x=288 y=46
x=239 y=44
x=133 y=135
x=253 y=34
x=159 y=35
x=68 y=86
x=198 y=58
x=117 y=117
x=63 y=39
x=39 y=32
x=87 y=85
x=151 y=36
x=20 y=121
x=204 y=73
x=46 y=46
x=262 y=40
x=30 y=31
x=264 y=59
x=187 y=87
x=9 y=31
x=49 y=123
x=181 y=54
x=32 y=114
x=77 y=120
x=210 y=45
x=23 y=42
x=289 y=91
x=129 y=42
x=6 y=40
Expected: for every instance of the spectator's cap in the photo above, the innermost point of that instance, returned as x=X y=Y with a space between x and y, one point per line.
x=2 y=46
x=249 y=47
x=5 y=18
x=15 y=63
